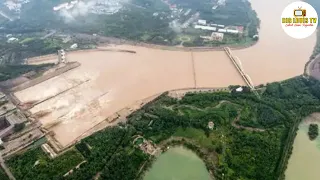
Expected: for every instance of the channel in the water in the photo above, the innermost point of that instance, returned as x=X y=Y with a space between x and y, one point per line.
x=178 y=163
x=304 y=162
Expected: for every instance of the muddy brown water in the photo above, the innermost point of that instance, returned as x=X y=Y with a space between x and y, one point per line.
x=304 y=162
x=109 y=81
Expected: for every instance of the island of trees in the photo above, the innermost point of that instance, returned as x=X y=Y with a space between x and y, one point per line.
x=313 y=131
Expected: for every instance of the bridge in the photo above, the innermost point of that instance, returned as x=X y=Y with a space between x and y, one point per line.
x=237 y=63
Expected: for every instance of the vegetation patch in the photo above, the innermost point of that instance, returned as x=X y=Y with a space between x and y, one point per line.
x=313 y=131
x=230 y=151
x=13 y=71
x=3 y=175
x=35 y=164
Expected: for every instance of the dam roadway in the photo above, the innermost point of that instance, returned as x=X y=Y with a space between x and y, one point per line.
x=237 y=63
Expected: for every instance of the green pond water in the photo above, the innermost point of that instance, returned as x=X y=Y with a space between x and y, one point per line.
x=304 y=162
x=178 y=163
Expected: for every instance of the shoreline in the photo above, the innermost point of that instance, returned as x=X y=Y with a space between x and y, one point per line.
x=101 y=46
x=117 y=41
x=309 y=67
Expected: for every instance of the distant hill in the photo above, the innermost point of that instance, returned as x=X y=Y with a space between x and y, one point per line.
x=316 y=6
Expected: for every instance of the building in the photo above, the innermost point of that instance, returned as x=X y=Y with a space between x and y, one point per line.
x=202 y=22
x=231 y=31
x=217 y=25
x=205 y=28
x=210 y=125
x=239 y=89
x=12 y=39
x=221 y=2
x=240 y=29
x=222 y=30
x=8 y=122
x=74 y=46
x=216 y=36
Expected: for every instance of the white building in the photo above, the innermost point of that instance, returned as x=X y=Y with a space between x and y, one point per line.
x=12 y=39
x=210 y=125
x=222 y=30
x=239 y=89
x=221 y=2
x=74 y=46
x=202 y=22
x=205 y=27
x=231 y=31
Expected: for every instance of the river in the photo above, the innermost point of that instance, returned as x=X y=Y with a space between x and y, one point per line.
x=304 y=162
x=111 y=81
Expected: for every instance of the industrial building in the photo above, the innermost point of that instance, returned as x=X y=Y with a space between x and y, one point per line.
x=202 y=22
x=8 y=122
x=9 y=117
x=205 y=27
x=231 y=31
x=215 y=36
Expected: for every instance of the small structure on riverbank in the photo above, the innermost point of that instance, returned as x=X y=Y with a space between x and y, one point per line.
x=210 y=125
x=145 y=145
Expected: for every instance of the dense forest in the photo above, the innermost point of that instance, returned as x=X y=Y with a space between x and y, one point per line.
x=35 y=164
x=148 y=21
x=15 y=53
x=3 y=175
x=13 y=71
x=251 y=138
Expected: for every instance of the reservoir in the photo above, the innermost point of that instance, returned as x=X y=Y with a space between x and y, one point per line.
x=107 y=82
x=304 y=162
x=178 y=163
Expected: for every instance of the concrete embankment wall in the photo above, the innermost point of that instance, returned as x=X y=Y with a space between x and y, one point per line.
x=116 y=41
x=45 y=77
x=41 y=58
